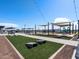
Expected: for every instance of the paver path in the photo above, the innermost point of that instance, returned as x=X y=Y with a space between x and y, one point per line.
x=6 y=51
x=65 y=53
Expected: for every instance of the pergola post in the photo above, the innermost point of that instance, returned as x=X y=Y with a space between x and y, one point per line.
x=24 y=28
x=72 y=28
x=32 y=31
x=35 y=29
x=78 y=28
x=60 y=29
x=52 y=28
x=42 y=30
x=69 y=27
x=48 y=28
x=45 y=28
x=75 y=28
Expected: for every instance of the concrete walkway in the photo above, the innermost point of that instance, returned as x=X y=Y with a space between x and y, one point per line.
x=62 y=41
x=65 y=53
x=6 y=50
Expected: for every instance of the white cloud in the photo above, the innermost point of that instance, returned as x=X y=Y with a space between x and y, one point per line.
x=8 y=25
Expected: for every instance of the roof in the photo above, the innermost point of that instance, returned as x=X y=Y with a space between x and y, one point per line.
x=27 y=28
x=43 y=25
x=62 y=24
x=2 y=26
x=10 y=28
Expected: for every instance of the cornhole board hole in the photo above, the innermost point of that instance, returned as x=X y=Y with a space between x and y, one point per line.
x=31 y=44
x=40 y=41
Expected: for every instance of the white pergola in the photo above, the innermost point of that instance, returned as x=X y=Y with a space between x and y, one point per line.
x=64 y=24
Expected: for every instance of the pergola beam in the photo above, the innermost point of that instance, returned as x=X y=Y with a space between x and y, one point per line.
x=44 y=27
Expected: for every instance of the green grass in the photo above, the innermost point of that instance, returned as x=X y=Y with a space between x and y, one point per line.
x=43 y=51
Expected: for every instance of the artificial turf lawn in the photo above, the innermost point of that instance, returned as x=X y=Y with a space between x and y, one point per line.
x=43 y=51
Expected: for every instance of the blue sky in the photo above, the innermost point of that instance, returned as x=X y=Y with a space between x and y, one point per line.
x=27 y=12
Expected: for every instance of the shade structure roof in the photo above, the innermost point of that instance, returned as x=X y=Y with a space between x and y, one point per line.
x=43 y=25
x=2 y=26
x=61 y=24
x=10 y=28
x=28 y=28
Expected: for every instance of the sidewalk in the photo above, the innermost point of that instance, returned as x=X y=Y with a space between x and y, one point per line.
x=62 y=41
x=6 y=51
x=65 y=53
